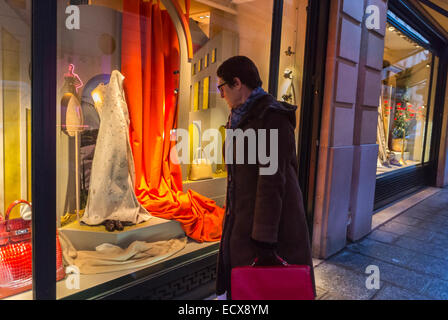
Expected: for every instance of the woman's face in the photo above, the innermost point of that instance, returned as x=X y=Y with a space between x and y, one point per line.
x=233 y=94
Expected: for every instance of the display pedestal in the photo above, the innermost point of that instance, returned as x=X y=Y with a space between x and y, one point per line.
x=398 y=155
x=214 y=189
x=84 y=237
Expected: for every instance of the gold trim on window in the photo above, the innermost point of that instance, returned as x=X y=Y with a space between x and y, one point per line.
x=206 y=88
x=214 y=55
x=196 y=97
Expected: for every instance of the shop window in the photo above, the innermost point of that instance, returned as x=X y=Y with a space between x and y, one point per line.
x=15 y=148
x=118 y=96
x=404 y=113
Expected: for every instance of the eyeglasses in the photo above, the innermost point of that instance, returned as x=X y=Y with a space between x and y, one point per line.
x=221 y=85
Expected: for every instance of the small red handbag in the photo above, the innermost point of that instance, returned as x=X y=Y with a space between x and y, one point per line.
x=16 y=253
x=285 y=282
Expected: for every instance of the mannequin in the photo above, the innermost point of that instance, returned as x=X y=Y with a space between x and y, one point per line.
x=72 y=124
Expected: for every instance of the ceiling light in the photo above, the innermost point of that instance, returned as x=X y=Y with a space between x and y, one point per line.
x=391 y=28
x=201 y=17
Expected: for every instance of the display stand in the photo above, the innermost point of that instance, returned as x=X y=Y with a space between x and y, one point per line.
x=77 y=174
x=85 y=237
x=383 y=159
x=402 y=159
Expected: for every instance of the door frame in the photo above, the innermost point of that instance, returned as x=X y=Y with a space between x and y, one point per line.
x=312 y=100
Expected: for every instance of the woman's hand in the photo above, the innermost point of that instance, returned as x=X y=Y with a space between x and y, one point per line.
x=266 y=254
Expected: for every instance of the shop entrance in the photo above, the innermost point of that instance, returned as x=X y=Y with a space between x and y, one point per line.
x=301 y=82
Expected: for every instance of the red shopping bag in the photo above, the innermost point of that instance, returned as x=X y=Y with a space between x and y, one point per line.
x=286 y=282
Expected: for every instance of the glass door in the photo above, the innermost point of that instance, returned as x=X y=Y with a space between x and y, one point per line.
x=292 y=55
x=301 y=83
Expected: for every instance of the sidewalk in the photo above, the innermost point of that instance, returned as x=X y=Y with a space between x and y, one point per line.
x=411 y=251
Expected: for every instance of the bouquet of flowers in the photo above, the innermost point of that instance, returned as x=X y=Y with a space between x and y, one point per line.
x=403 y=115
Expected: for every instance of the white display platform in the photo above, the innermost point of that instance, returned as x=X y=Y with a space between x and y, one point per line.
x=214 y=189
x=398 y=155
x=84 y=237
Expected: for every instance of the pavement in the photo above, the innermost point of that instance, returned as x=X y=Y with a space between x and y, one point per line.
x=410 y=251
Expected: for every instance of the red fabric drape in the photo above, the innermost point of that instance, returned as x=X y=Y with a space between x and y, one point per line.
x=150 y=55
x=187 y=8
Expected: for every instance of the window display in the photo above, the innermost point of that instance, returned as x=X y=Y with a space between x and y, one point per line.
x=15 y=147
x=405 y=103
x=136 y=79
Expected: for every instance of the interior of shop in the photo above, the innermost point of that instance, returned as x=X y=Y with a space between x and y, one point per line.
x=404 y=102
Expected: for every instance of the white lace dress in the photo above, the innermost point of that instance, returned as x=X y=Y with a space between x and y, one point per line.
x=111 y=193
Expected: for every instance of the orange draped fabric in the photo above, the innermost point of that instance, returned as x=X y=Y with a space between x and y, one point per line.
x=150 y=55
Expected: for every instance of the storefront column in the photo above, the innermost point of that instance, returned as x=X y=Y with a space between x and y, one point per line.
x=348 y=127
x=336 y=137
x=365 y=126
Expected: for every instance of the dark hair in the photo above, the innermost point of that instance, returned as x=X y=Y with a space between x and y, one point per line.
x=240 y=67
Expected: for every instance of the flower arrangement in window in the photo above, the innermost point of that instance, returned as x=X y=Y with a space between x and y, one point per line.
x=403 y=116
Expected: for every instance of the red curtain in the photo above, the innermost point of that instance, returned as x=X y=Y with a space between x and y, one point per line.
x=150 y=55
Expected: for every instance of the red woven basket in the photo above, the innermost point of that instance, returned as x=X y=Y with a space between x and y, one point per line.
x=16 y=252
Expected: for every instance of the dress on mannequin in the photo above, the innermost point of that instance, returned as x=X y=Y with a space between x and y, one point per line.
x=73 y=121
x=111 y=193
